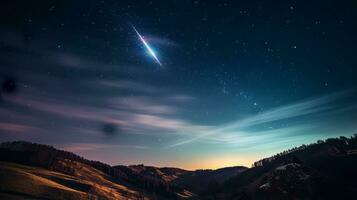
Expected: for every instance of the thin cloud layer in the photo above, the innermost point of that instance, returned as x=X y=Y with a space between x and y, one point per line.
x=254 y=128
x=85 y=147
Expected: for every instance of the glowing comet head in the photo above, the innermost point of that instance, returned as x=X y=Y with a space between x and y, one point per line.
x=147 y=46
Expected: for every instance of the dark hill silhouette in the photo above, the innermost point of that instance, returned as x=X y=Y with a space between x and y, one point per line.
x=322 y=170
x=47 y=157
x=152 y=180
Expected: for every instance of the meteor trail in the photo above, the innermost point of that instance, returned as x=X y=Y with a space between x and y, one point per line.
x=152 y=53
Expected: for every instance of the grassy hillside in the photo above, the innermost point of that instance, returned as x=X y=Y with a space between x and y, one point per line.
x=47 y=157
x=24 y=182
x=322 y=170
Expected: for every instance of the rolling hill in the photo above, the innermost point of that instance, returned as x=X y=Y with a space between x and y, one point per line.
x=322 y=170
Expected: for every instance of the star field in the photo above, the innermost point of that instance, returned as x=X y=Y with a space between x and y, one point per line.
x=240 y=80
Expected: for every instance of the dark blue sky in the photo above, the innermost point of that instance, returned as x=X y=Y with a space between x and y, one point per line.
x=239 y=80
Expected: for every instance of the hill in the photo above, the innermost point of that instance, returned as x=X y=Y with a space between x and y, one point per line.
x=47 y=157
x=139 y=181
x=322 y=170
x=25 y=182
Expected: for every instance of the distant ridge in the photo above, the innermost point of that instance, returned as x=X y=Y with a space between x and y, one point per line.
x=321 y=170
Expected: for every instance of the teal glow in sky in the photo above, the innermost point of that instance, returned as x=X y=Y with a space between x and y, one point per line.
x=241 y=80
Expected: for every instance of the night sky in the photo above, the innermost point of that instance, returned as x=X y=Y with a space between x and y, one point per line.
x=233 y=82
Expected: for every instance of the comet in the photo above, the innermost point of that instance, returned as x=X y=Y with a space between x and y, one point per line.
x=147 y=46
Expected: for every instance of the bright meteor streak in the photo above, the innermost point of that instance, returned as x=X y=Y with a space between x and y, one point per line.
x=152 y=53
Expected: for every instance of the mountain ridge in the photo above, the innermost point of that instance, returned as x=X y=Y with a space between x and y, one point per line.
x=311 y=168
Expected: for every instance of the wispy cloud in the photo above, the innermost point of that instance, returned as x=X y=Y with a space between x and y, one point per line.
x=168 y=125
x=244 y=130
x=181 y=98
x=17 y=128
x=141 y=104
x=133 y=86
x=132 y=114
x=83 y=147
x=103 y=92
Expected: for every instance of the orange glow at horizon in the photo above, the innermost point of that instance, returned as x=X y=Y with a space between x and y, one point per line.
x=219 y=163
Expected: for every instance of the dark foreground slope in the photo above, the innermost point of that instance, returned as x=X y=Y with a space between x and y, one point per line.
x=324 y=170
x=26 y=182
x=74 y=177
x=196 y=181
x=93 y=173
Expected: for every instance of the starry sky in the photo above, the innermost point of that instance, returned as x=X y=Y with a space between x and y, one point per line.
x=237 y=80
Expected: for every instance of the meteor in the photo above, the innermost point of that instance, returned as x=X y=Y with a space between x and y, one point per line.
x=152 y=53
